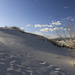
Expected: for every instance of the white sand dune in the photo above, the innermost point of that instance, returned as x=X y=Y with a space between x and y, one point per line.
x=24 y=54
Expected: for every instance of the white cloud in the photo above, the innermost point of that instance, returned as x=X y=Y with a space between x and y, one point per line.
x=56 y=23
x=66 y=7
x=50 y=26
x=28 y=25
x=70 y=18
x=37 y=25
x=44 y=29
x=46 y=25
x=53 y=29
x=22 y=28
x=57 y=28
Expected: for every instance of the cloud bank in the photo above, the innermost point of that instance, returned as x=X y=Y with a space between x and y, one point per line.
x=51 y=24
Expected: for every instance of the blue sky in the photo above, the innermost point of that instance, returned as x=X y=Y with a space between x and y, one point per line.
x=37 y=16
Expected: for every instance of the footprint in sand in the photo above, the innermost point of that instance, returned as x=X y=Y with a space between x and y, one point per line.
x=12 y=65
x=57 y=73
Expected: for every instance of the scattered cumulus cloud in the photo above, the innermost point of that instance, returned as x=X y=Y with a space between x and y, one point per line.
x=50 y=26
x=28 y=25
x=56 y=23
x=53 y=29
x=70 y=18
x=66 y=7
x=44 y=29
x=22 y=28
x=38 y=25
x=46 y=25
x=58 y=28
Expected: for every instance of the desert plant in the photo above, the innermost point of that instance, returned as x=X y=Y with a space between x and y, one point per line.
x=67 y=34
x=54 y=42
x=18 y=29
